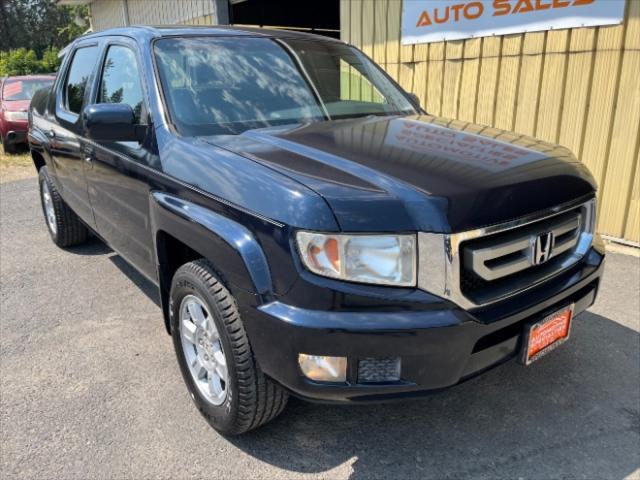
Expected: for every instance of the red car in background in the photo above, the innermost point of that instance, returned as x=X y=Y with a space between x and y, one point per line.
x=15 y=97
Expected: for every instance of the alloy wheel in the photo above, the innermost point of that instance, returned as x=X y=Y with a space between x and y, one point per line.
x=202 y=349
x=49 y=210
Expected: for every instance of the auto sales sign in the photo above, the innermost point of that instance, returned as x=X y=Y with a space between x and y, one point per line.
x=426 y=21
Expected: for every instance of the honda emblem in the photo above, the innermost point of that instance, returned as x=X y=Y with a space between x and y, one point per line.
x=541 y=248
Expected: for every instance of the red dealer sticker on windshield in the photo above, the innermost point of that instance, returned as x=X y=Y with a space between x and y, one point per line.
x=10 y=89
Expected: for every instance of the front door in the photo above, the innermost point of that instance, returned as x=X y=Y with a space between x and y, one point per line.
x=119 y=171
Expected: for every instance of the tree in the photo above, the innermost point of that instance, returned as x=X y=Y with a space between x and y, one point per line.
x=25 y=62
x=18 y=62
x=38 y=24
x=50 y=61
x=32 y=29
x=72 y=30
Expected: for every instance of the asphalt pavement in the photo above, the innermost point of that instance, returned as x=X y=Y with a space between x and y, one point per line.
x=89 y=388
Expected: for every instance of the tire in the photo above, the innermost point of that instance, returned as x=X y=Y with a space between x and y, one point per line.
x=251 y=399
x=65 y=227
x=8 y=148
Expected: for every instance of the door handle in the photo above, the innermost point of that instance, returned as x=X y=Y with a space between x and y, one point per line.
x=88 y=152
x=51 y=134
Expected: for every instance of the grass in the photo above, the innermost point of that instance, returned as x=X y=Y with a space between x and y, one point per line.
x=15 y=166
x=21 y=159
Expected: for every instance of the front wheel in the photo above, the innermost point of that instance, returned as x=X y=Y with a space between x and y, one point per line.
x=6 y=147
x=215 y=356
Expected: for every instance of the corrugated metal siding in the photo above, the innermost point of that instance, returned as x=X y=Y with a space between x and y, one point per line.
x=106 y=14
x=577 y=87
x=109 y=13
x=168 y=12
x=201 y=20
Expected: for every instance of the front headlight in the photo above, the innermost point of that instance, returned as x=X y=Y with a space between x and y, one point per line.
x=378 y=259
x=16 y=116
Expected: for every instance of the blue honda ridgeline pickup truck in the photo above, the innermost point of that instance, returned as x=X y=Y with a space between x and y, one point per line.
x=311 y=230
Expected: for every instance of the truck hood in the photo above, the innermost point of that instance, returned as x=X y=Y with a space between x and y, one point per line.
x=419 y=172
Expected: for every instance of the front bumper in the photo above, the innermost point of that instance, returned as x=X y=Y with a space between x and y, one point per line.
x=15 y=132
x=438 y=348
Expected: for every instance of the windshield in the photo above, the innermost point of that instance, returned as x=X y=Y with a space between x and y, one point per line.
x=226 y=85
x=23 y=89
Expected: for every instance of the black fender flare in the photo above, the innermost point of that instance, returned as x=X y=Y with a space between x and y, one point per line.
x=228 y=245
x=39 y=143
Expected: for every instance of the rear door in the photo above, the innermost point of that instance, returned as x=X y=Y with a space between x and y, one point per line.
x=65 y=142
x=119 y=171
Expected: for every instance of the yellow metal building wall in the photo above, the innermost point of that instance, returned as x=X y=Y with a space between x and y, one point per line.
x=578 y=87
x=110 y=13
x=106 y=14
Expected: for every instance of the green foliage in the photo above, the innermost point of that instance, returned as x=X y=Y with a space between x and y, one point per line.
x=33 y=31
x=50 y=61
x=69 y=32
x=25 y=62
x=39 y=25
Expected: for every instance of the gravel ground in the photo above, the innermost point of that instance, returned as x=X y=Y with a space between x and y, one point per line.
x=90 y=389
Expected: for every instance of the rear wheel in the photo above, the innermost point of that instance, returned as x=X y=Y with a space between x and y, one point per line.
x=215 y=356
x=63 y=224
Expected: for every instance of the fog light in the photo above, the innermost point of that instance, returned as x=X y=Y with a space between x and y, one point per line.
x=323 y=369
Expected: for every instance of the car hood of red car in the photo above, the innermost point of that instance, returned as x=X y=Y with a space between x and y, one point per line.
x=16 y=105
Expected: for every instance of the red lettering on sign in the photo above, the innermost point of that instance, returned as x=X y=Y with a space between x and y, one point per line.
x=542 y=6
x=473 y=10
x=473 y=5
x=441 y=20
x=456 y=11
x=523 y=6
x=501 y=7
x=424 y=20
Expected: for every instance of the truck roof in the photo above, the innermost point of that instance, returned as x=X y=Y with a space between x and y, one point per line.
x=148 y=32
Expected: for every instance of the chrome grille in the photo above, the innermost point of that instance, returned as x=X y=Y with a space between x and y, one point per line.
x=479 y=267
x=504 y=254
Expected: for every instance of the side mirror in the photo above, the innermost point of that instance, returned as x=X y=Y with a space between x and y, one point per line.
x=414 y=99
x=111 y=122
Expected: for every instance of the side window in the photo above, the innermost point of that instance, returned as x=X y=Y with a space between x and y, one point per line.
x=79 y=73
x=121 y=80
